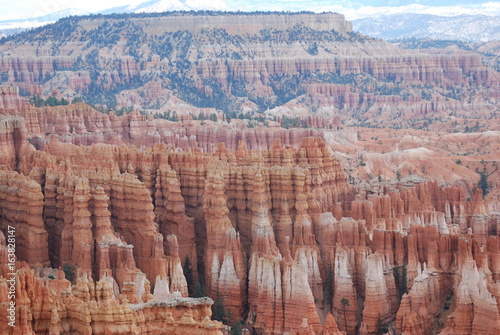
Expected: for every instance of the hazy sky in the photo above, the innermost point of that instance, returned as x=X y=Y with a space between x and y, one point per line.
x=10 y=9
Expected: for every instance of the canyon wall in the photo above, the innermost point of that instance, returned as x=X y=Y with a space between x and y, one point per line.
x=191 y=185
x=208 y=63
x=279 y=235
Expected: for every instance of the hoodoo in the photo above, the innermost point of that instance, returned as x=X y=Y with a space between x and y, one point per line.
x=245 y=173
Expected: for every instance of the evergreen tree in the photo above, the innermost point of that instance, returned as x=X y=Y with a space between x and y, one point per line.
x=69 y=271
x=400 y=280
x=76 y=100
x=329 y=287
x=198 y=290
x=382 y=327
x=345 y=303
x=52 y=101
x=236 y=329
x=219 y=310
x=483 y=182
x=188 y=274
x=37 y=101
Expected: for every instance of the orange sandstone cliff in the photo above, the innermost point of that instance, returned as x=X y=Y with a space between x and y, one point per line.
x=279 y=235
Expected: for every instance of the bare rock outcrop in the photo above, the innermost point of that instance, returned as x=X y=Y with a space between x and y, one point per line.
x=279 y=235
x=93 y=308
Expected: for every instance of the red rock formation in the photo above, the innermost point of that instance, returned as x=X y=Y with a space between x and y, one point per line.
x=9 y=98
x=114 y=257
x=176 y=277
x=377 y=308
x=265 y=294
x=277 y=286
x=267 y=218
x=128 y=216
x=170 y=213
x=298 y=300
x=21 y=207
x=13 y=144
x=476 y=310
x=133 y=214
x=81 y=125
x=248 y=64
x=225 y=272
x=93 y=308
x=421 y=307
x=344 y=288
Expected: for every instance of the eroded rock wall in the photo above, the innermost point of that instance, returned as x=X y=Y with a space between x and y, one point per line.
x=279 y=235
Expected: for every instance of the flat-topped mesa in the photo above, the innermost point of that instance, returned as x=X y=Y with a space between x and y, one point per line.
x=245 y=62
x=241 y=23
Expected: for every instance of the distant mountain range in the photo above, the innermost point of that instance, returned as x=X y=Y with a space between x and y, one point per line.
x=9 y=27
x=480 y=24
x=157 y=6
x=471 y=28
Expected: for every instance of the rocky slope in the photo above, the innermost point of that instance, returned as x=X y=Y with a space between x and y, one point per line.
x=279 y=64
x=375 y=156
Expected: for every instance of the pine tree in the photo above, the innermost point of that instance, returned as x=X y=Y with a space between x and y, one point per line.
x=382 y=327
x=329 y=287
x=345 y=303
x=188 y=274
x=219 y=310
x=69 y=271
x=483 y=182
x=198 y=290
x=236 y=329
